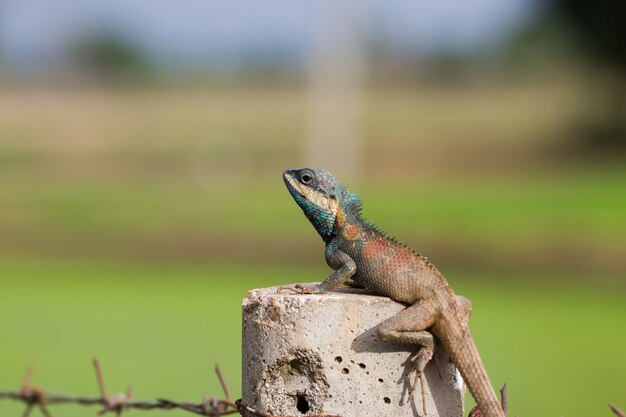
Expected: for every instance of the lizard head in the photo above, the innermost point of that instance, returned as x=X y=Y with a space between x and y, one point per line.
x=320 y=196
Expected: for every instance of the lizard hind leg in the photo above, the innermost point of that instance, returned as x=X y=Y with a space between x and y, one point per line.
x=409 y=327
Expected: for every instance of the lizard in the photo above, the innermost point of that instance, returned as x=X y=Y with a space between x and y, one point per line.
x=358 y=251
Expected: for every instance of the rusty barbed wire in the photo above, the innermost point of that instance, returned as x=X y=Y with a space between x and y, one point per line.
x=35 y=397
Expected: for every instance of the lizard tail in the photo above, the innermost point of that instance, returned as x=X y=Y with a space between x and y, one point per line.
x=462 y=350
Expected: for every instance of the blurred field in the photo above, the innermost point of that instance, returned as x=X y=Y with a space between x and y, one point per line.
x=132 y=222
x=171 y=173
x=160 y=327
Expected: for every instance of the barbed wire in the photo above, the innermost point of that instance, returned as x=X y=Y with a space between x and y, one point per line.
x=36 y=397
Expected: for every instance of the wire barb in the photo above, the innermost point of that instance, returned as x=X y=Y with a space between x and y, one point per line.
x=32 y=396
x=220 y=376
x=617 y=411
x=503 y=399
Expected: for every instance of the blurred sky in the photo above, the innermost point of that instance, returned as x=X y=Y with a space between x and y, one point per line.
x=35 y=34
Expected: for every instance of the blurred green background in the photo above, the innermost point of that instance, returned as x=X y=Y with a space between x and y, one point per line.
x=141 y=149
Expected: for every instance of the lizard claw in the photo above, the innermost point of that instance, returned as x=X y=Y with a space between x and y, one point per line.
x=298 y=289
x=419 y=376
x=419 y=362
x=303 y=289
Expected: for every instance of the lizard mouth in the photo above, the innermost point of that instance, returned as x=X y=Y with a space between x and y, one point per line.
x=318 y=198
x=294 y=185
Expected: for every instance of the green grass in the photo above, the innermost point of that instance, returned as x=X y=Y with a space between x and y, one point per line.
x=161 y=326
x=588 y=202
x=559 y=348
x=158 y=327
x=579 y=209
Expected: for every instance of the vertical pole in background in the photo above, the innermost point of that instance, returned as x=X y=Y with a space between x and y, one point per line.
x=336 y=72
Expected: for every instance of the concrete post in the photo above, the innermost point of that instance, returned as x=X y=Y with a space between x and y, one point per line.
x=320 y=354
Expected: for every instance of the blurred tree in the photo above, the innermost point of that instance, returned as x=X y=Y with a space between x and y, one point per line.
x=599 y=28
x=108 y=57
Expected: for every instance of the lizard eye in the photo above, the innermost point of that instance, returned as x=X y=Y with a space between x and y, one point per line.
x=306 y=177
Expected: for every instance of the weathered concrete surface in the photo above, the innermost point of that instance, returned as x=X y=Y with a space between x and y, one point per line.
x=320 y=354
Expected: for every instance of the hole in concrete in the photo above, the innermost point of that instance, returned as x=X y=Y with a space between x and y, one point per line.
x=387 y=400
x=294 y=374
x=380 y=380
x=362 y=365
x=302 y=404
x=295 y=364
x=345 y=371
x=338 y=359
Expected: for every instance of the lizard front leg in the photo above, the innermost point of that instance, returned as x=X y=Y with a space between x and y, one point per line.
x=344 y=267
x=342 y=263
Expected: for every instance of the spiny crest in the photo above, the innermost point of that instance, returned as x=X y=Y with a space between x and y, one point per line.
x=353 y=203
